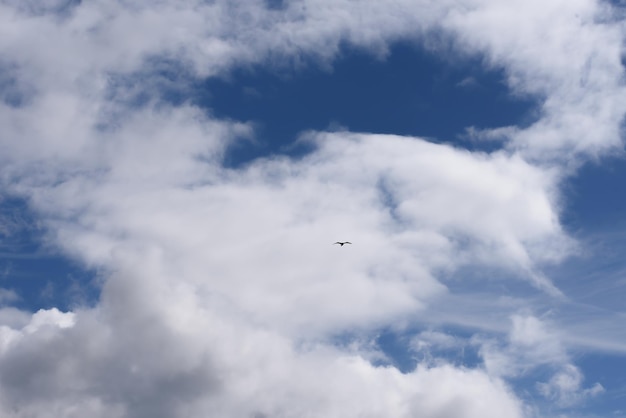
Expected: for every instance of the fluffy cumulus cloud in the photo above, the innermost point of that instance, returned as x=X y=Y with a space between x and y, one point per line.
x=222 y=295
x=551 y=51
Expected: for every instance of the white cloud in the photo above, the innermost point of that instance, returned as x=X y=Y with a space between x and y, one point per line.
x=437 y=348
x=51 y=317
x=531 y=343
x=565 y=387
x=184 y=249
x=396 y=198
x=223 y=287
x=567 y=53
x=154 y=364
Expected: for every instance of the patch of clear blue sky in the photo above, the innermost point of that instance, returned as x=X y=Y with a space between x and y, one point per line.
x=411 y=92
x=595 y=214
x=41 y=277
x=595 y=196
x=607 y=370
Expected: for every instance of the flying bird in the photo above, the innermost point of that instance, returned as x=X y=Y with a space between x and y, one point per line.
x=342 y=243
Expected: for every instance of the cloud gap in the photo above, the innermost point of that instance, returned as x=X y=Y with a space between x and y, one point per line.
x=373 y=101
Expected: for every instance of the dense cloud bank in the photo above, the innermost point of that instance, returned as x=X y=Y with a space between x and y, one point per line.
x=221 y=293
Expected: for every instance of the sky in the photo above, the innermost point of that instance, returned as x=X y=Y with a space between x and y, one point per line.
x=174 y=174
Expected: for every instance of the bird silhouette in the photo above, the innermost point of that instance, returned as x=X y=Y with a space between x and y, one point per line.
x=342 y=243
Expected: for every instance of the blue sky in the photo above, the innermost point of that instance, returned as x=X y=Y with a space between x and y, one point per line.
x=408 y=92
x=174 y=176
